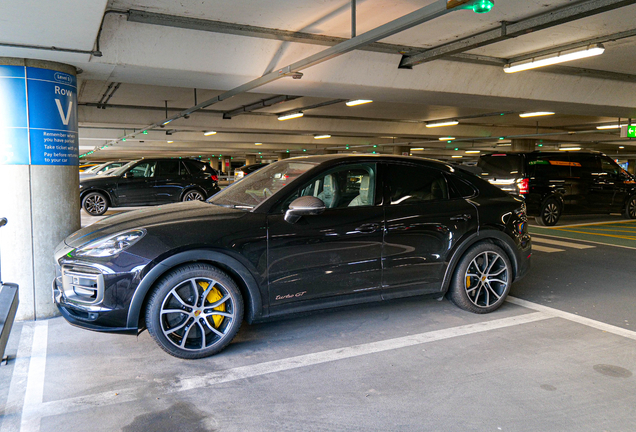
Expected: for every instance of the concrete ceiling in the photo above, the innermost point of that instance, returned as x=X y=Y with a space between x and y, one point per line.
x=152 y=66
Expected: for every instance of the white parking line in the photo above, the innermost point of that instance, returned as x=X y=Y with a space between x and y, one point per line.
x=545 y=249
x=536 y=239
x=588 y=241
x=573 y=317
x=180 y=384
x=11 y=417
x=35 y=384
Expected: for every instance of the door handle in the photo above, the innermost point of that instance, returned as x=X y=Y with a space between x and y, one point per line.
x=462 y=217
x=368 y=228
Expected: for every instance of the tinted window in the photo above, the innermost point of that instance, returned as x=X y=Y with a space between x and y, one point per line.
x=459 y=188
x=609 y=168
x=167 y=168
x=143 y=169
x=411 y=184
x=501 y=165
x=196 y=167
x=548 y=167
x=584 y=165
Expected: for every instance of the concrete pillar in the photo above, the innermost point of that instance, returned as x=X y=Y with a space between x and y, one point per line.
x=631 y=166
x=39 y=177
x=523 y=144
x=282 y=156
x=250 y=159
x=214 y=162
x=401 y=150
x=225 y=164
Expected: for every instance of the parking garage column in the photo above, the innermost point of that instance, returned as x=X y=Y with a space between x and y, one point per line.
x=39 y=192
x=282 y=156
x=401 y=150
x=523 y=145
x=631 y=166
x=250 y=159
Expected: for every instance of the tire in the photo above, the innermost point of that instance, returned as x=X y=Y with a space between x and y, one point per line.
x=95 y=203
x=482 y=279
x=186 y=325
x=550 y=213
x=630 y=208
x=193 y=195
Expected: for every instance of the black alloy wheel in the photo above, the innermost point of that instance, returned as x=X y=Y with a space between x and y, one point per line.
x=550 y=213
x=95 y=204
x=482 y=279
x=193 y=195
x=630 y=208
x=195 y=311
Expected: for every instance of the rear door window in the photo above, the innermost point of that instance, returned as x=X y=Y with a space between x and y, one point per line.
x=549 y=167
x=412 y=184
x=167 y=168
x=501 y=165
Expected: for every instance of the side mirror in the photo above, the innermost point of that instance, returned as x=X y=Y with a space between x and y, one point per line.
x=129 y=174
x=304 y=206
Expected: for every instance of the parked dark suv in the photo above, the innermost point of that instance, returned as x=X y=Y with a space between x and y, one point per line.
x=297 y=235
x=554 y=183
x=149 y=182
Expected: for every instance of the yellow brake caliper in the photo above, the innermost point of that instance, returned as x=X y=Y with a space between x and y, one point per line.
x=214 y=296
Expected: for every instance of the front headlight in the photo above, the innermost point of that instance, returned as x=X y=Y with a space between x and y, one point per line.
x=110 y=246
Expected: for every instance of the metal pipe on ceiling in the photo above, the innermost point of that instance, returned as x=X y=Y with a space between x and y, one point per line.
x=422 y=15
x=506 y=30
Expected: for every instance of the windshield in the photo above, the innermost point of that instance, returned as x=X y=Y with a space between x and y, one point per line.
x=501 y=165
x=260 y=185
x=121 y=170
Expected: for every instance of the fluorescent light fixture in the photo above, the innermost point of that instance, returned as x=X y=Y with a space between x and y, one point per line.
x=457 y=156
x=258 y=143
x=447 y=138
x=323 y=136
x=504 y=145
x=442 y=124
x=169 y=142
x=208 y=133
x=417 y=149
x=536 y=114
x=621 y=147
x=166 y=122
x=291 y=116
x=358 y=102
x=608 y=127
x=551 y=59
x=472 y=151
x=570 y=148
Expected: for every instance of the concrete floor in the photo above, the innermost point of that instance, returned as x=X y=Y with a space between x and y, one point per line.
x=559 y=356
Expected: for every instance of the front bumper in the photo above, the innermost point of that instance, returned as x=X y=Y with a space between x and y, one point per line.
x=97 y=295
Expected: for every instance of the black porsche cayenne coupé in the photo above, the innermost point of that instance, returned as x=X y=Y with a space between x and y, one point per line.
x=300 y=234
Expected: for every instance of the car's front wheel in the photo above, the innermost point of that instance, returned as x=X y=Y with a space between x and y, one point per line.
x=482 y=279
x=95 y=204
x=195 y=311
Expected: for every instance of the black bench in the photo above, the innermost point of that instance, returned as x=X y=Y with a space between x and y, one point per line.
x=8 y=307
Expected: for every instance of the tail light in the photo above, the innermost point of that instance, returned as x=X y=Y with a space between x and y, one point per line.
x=524 y=187
x=215 y=177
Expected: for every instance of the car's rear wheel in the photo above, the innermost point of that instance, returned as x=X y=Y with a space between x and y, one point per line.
x=195 y=311
x=95 y=203
x=550 y=213
x=193 y=195
x=630 y=208
x=482 y=279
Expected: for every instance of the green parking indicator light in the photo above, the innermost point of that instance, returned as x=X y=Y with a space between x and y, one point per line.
x=456 y=148
x=483 y=6
x=304 y=149
x=375 y=146
x=123 y=139
x=145 y=132
x=501 y=138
